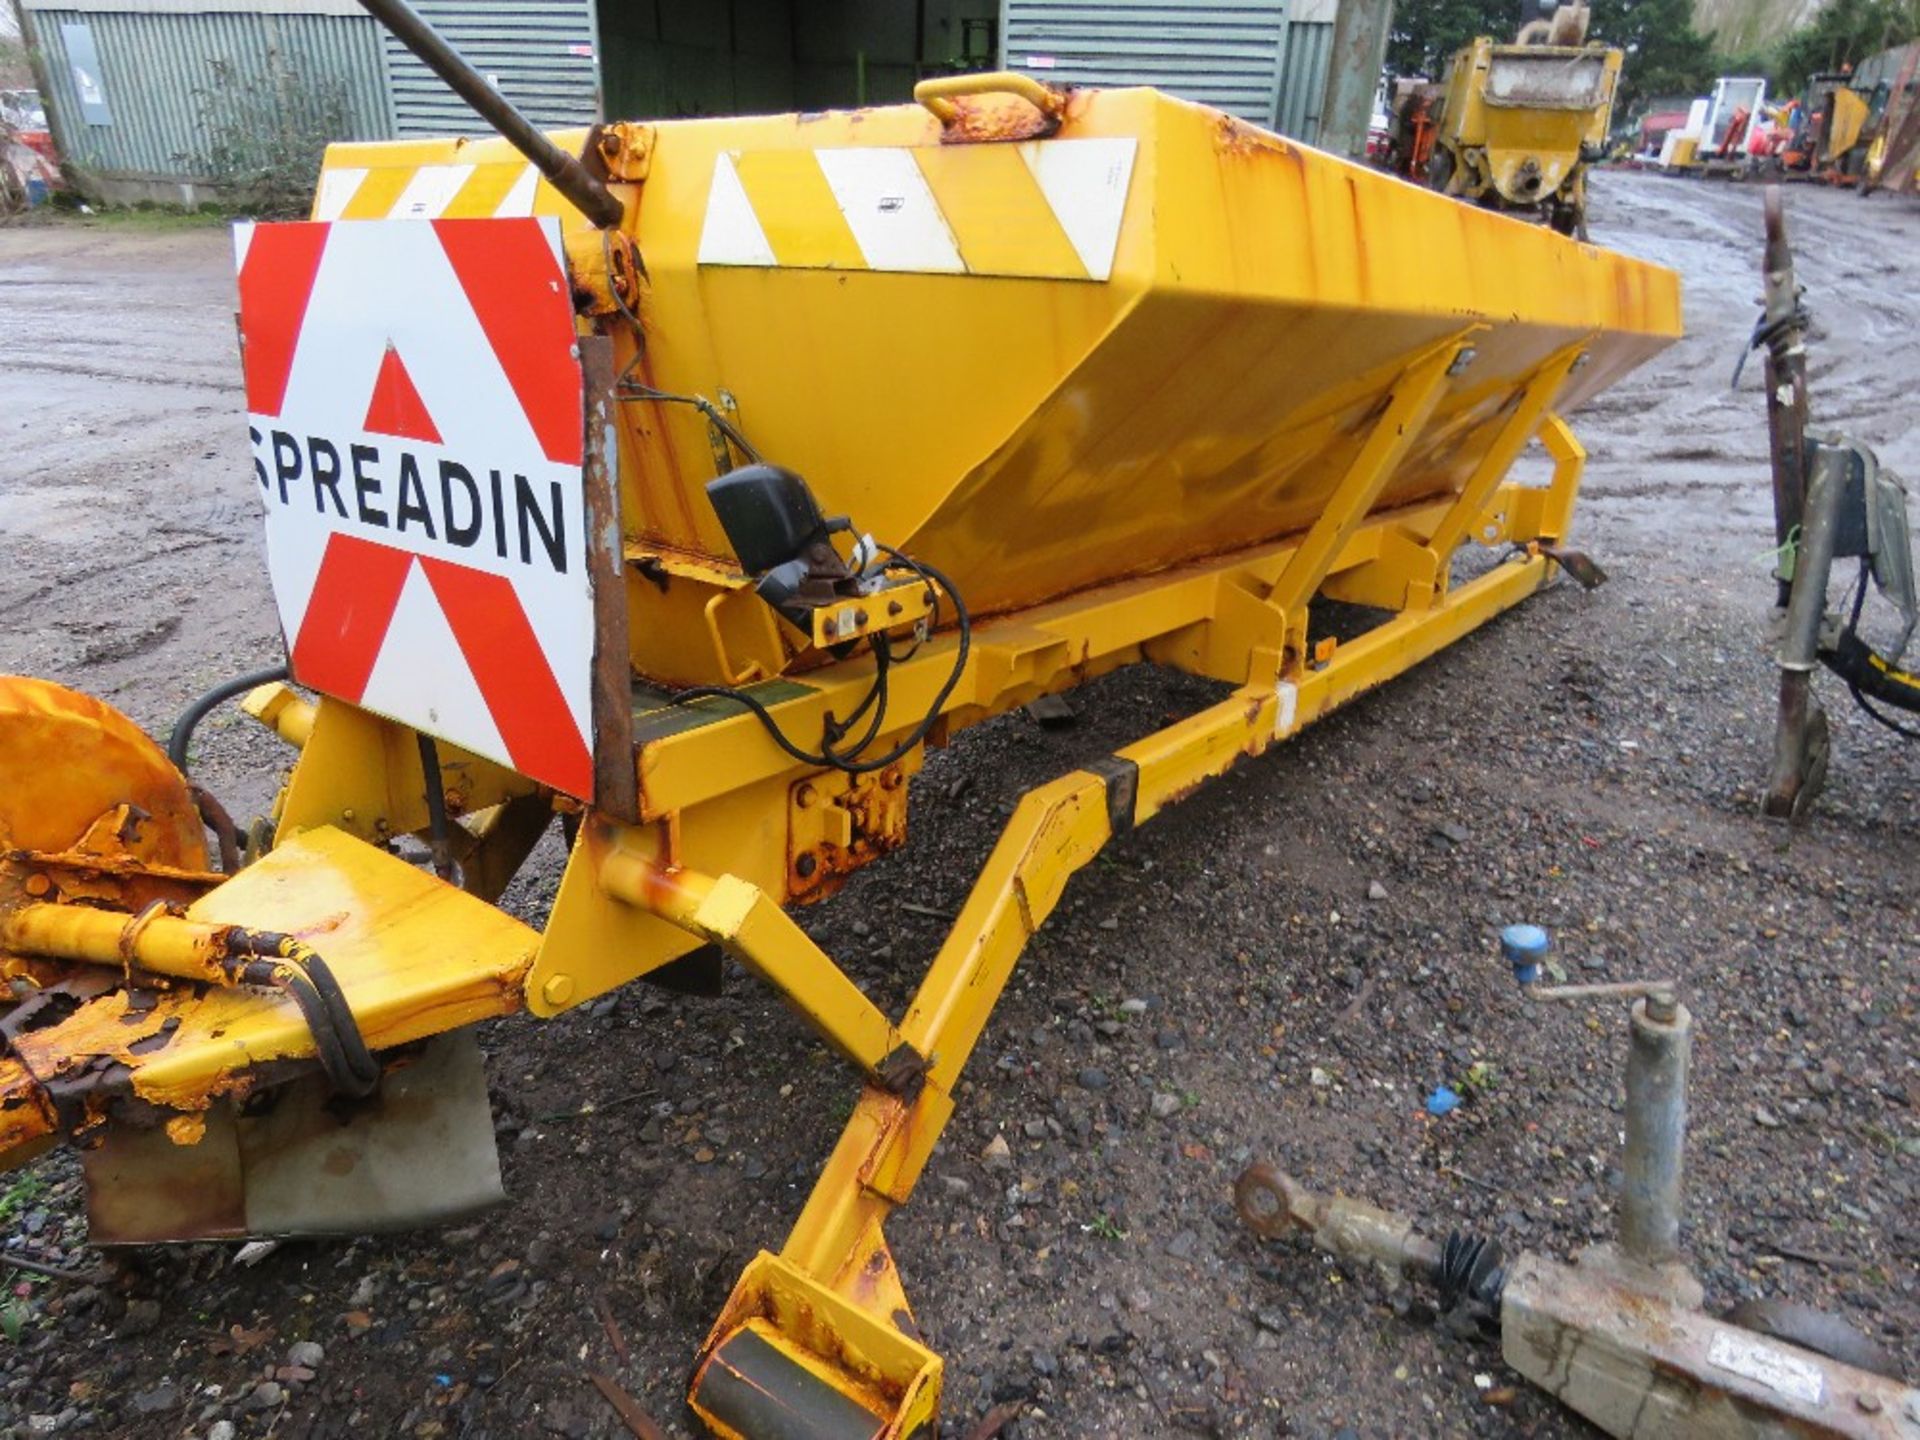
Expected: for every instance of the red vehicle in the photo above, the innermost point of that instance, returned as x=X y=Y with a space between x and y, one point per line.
x=29 y=168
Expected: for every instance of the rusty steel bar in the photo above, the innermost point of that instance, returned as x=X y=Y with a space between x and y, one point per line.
x=1784 y=328
x=1783 y=331
x=1800 y=641
x=1272 y=1203
x=567 y=175
x=162 y=943
x=227 y=955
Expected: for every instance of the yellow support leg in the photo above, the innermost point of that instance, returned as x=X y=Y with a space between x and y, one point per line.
x=740 y=918
x=1522 y=423
x=1393 y=433
x=821 y=1335
x=1569 y=458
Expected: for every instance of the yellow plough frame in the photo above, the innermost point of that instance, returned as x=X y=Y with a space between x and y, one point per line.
x=819 y=1338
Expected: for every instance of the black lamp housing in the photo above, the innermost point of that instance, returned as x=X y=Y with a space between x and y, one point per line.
x=769 y=514
x=781 y=537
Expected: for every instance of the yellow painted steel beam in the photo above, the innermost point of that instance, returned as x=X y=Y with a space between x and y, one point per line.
x=1374 y=658
x=711 y=776
x=362 y=774
x=835 y=1258
x=740 y=918
x=1400 y=422
x=1569 y=458
x=283 y=710
x=1522 y=424
x=152 y=940
x=1043 y=649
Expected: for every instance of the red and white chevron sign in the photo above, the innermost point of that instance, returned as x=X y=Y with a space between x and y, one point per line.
x=414 y=398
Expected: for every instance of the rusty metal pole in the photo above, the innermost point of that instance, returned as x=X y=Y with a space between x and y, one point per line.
x=1783 y=326
x=1359 y=50
x=591 y=198
x=1786 y=378
x=1799 y=739
x=1652 y=1195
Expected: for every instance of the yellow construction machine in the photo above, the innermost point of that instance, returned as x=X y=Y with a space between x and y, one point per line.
x=684 y=482
x=1520 y=123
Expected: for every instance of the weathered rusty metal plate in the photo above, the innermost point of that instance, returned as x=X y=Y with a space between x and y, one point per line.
x=414 y=956
x=420 y=1152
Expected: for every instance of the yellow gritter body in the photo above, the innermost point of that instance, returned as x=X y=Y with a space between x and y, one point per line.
x=1144 y=383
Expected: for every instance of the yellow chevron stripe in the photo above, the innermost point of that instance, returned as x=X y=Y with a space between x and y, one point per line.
x=796 y=208
x=549 y=201
x=1046 y=209
x=377 y=193
x=483 y=192
x=1000 y=219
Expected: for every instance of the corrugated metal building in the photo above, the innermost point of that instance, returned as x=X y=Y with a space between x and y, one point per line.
x=540 y=54
x=1262 y=60
x=673 y=58
x=168 y=99
x=158 y=99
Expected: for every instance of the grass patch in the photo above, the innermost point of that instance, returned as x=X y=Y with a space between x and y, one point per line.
x=20 y=1195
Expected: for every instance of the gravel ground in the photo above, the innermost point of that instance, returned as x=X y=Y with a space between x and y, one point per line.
x=1280 y=968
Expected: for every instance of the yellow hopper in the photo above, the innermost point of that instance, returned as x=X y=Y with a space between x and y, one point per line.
x=1100 y=379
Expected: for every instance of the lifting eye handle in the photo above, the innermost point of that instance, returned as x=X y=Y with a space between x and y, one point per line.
x=939 y=93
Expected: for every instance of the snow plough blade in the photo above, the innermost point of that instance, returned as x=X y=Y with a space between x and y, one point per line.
x=183 y=1025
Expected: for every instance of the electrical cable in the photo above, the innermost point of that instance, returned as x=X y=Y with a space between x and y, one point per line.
x=1855 y=656
x=627 y=388
x=634 y=390
x=854 y=762
x=833 y=730
x=876 y=697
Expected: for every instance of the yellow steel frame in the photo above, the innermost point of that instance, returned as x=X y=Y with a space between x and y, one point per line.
x=835 y=1263
x=711 y=864
x=725 y=824
x=732 y=830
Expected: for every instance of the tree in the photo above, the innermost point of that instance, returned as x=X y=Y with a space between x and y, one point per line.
x=1665 y=55
x=1426 y=33
x=1842 y=35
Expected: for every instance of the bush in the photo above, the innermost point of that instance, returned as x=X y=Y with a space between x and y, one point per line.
x=13 y=195
x=266 y=134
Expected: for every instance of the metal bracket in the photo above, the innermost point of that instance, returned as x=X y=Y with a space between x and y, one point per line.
x=1122 y=777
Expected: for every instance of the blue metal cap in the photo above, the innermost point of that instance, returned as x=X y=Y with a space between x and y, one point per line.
x=1525 y=946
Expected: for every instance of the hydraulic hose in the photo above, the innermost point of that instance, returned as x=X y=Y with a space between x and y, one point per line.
x=288 y=963
x=191 y=717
